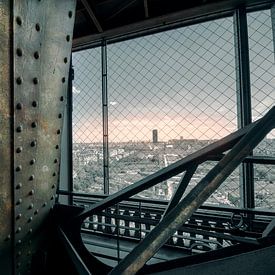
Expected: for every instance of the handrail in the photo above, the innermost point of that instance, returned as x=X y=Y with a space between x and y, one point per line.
x=86 y=198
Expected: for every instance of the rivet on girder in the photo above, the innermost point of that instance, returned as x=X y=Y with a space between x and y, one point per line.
x=8 y=238
x=70 y=14
x=19 y=242
x=19 y=253
x=37 y=27
x=19 y=129
x=34 y=124
x=19 y=149
x=19 y=52
x=18 y=20
x=44 y=204
x=68 y=38
x=19 y=80
x=59 y=115
x=33 y=143
x=19 y=185
x=55 y=161
x=36 y=212
x=53 y=186
x=30 y=219
x=63 y=79
x=19 y=201
x=31 y=192
x=18 y=230
x=62 y=98
x=30 y=231
x=34 y=104
x=19 y=106
x=65 y=60
x=36 y=55
x=18 y=168
x=32 y=161
x=58 y=132
x=18 y=216
x=56 y=146
x=35 y=80
x=30 y=206
x=31 y=177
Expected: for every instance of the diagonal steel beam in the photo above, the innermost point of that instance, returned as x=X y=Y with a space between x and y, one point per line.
x=92 y=15
x=122 y=8
x=181 y=188
x=134 y=261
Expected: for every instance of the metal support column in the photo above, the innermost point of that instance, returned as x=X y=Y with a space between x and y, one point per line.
x=105 y=117
x=66 y=164
x=243 y=100
x=70 y=132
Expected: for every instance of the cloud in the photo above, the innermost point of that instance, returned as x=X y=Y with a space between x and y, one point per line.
x=75 y=90
x=113 y=103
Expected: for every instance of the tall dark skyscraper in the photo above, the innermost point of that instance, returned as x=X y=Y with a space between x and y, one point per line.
x=155 y=136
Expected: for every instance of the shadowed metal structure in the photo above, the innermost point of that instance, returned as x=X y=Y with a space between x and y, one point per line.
x=35 y=39
x=40 y=236
x=241 y=144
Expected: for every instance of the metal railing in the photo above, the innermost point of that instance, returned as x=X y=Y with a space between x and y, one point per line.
x=209 y=228
x=230 y=152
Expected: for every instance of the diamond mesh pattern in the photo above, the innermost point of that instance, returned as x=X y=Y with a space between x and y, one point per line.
x=180 y=82
x=87 y=122
x=261 y=51
x=264 y=177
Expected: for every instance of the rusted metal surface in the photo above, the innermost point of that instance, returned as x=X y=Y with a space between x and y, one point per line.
x=42 y=47
x=30 y=150
x=5 y=141
x=134 y=261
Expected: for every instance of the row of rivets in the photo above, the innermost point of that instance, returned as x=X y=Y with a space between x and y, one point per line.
x=19 y=129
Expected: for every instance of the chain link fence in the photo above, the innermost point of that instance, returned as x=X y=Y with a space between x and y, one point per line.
x=261 y=53
x=87 y=122
x=180 y=83
x=169 y=94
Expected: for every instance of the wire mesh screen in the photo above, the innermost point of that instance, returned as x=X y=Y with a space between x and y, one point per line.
x=87 y=122
x=168 y=95
x=264 y=177
x=261 y=51
x=178 y=86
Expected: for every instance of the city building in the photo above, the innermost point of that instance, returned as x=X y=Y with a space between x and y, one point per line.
x=155 y=136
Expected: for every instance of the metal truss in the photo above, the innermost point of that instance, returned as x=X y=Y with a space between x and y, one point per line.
x=240 y=144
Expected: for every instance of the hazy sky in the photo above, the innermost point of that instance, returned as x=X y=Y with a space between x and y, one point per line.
x=181 y=82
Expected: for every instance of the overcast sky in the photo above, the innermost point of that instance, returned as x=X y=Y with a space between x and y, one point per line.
x=181 y=82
